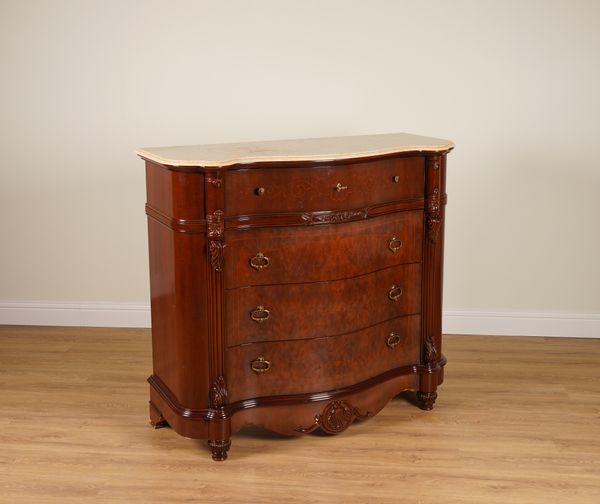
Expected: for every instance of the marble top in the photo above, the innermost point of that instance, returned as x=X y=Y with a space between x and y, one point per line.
x=306 y=149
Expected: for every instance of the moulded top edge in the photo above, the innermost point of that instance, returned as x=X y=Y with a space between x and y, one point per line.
x=306 y=149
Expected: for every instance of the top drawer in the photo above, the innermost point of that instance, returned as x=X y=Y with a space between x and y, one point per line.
x=257 y=191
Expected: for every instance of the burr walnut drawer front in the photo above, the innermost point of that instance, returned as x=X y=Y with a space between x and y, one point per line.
x=337 y=187
x=312 y=310
x=303 y=366
x=316 y=253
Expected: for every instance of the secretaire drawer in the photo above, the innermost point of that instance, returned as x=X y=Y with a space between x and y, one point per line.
x=292 y=367
x=311 y=310
x=310 y=254
x=258 y=191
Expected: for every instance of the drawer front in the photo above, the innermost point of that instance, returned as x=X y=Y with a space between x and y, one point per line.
x=288 y=255
x=259 y=191
x=293 y=367
x=312 y=310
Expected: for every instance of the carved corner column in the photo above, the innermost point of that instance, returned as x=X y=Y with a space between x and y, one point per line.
x=432 y=360
x=219 y=424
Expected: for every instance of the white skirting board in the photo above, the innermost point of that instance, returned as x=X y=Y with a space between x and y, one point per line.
x=508 y=323
x=496 y=323
x=74 y=314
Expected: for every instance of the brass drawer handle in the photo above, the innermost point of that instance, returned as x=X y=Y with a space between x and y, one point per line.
x=394 y=244
x=259 y=261
x=339 y=187
x=259 y=191
x=260 y=314
x=395 y=293
x=260 y=365
x=393 y=340
x=396 y=179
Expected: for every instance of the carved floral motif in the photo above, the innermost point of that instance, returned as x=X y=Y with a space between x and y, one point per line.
x=217 y=182
x=336 y=417
x=216 y=229
x=334 y=217
x=434 y=217
x=216 y=224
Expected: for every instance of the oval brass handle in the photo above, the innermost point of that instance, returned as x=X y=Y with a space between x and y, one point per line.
x=339 y=187
x=259 y=261
x=394 y=244
x=396 y=178
x=395 y=293
x=260 y=365
x=259 y=191
x=260 y=314
x=392 y=340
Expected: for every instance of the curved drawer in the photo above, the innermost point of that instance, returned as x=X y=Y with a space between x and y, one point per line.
x=316 y=365
x=338 y=187
x=284 y=255
x=312 y=310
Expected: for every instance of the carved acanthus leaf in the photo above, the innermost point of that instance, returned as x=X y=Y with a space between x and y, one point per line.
x=218 y=393
x=431 y=352
x=217 y=256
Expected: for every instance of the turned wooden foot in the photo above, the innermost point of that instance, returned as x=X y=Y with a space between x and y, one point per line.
x=426 y=400
x=156 y=419
x=219 y=448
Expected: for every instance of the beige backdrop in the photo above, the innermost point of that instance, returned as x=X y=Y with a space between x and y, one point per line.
x=514 y=84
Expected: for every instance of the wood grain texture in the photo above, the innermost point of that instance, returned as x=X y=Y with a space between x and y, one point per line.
x=258 y=191
x=322 y=363
x=179 y=312
x=175 y=193
x=322 y=309
x=517 y=422
x=324 y=252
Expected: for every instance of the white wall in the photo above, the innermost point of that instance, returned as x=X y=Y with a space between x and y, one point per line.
x=514 y=84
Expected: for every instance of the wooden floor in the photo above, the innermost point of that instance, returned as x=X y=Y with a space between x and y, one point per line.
x=74 y=429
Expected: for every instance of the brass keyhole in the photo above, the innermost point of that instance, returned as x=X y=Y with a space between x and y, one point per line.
x=394 y=244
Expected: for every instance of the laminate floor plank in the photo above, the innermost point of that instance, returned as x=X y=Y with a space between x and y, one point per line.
x=517 y=421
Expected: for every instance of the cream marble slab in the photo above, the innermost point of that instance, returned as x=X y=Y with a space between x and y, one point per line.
x=306 y=149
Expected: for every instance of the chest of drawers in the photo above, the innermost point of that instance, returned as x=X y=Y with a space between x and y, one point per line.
x=295 y=285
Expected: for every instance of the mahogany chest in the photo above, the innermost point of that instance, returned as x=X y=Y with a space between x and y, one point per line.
x=295 y=285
